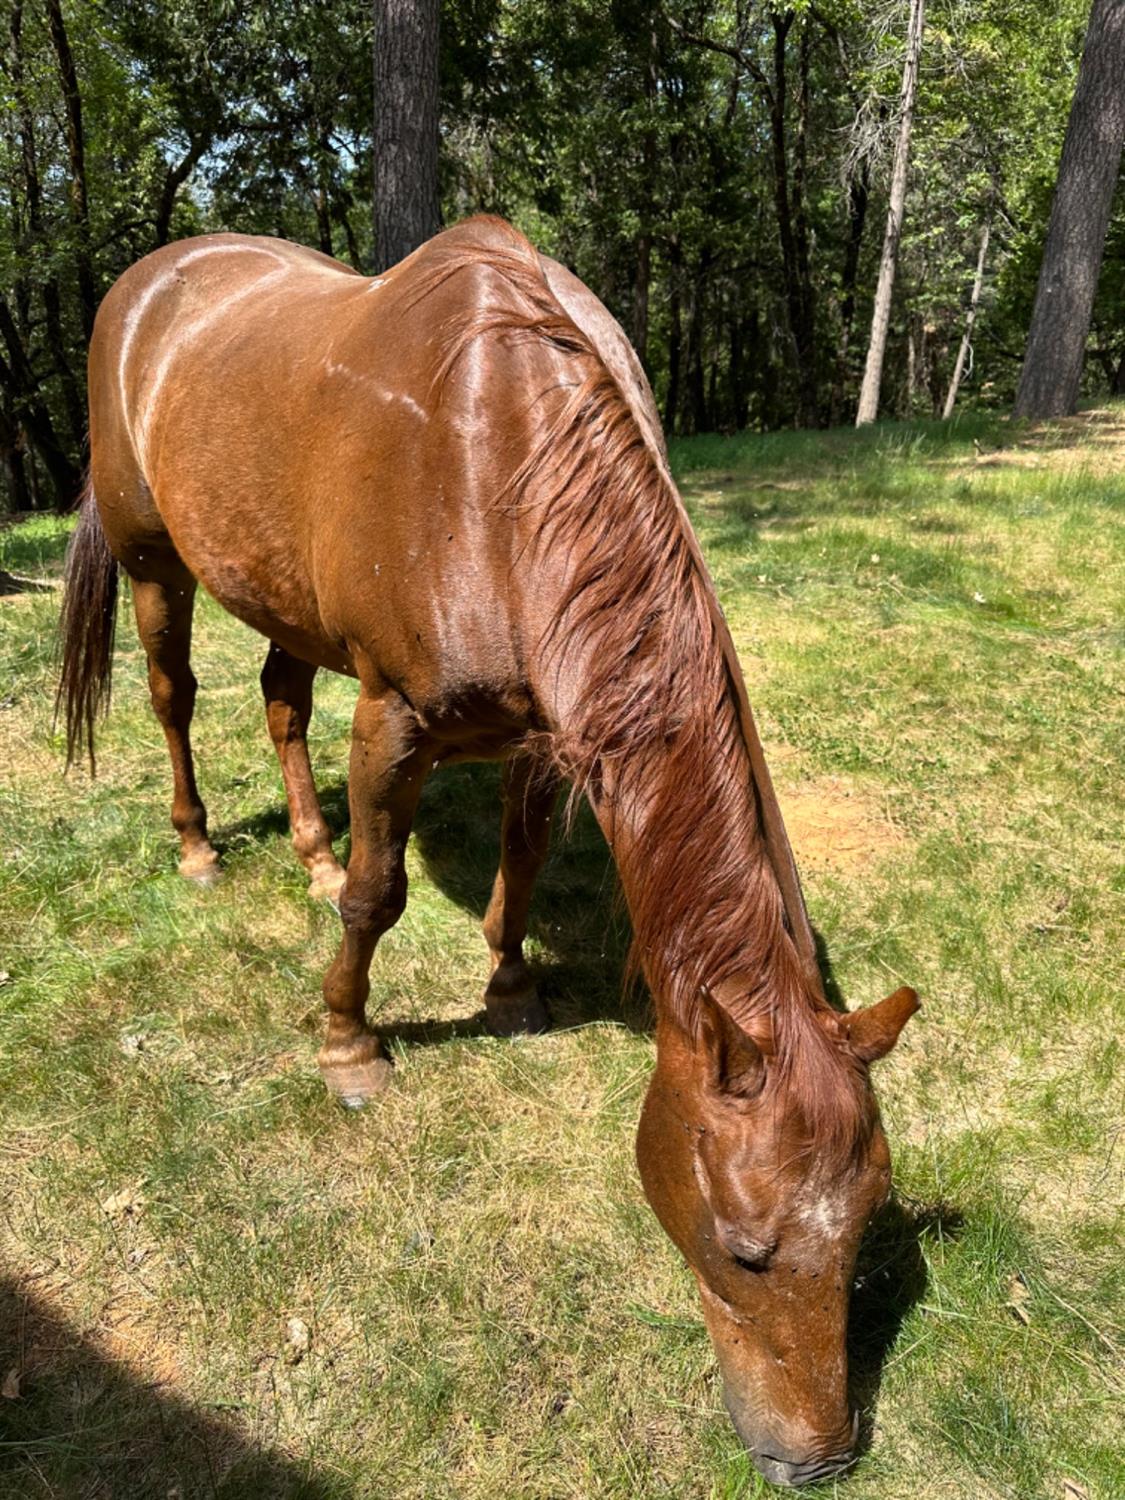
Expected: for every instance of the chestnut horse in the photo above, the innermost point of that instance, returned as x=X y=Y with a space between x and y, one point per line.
x=449 y=483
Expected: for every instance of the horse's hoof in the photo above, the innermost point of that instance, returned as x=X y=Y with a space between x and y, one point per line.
x=326 y=884
x=355 y=1071
x=515 y=1015
x=511 y=1003
x=202 y=867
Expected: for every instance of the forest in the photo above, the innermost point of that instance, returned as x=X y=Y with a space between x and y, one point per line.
x=717 y=172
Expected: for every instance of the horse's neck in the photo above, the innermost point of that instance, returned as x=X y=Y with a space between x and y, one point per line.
x=695 y=869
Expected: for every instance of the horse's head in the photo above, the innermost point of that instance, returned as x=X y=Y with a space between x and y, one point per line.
x=770 y=1219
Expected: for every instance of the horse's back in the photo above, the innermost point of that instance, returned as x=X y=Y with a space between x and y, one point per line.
x=289 y=427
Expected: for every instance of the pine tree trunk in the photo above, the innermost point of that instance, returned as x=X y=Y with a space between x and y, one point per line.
x=1072 y=256
x=970 y=319
x=407 y=203
x=884 y=291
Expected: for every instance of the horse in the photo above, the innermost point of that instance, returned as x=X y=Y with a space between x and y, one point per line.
x=449 y=483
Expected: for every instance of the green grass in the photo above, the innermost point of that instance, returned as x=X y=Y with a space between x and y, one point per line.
x=930 y=621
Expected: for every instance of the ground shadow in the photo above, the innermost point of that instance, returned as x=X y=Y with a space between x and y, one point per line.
x=273 y=821
x=578 y=927
x=74 y=1422
x=891 y=1278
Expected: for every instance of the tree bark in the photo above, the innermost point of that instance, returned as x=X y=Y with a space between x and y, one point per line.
x=407 y=203
x=1072 y=256
x=970 y=319
x=884 y=290
x=76 y=156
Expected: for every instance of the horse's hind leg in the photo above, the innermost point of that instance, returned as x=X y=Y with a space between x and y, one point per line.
x=287 y=685
x=390 y=759
x=530 y=794
x=163 y=605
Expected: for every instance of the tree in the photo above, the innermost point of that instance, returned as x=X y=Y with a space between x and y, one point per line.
x=868 y=408
x=970 y=319
x=1068 y=277
x=407 y=209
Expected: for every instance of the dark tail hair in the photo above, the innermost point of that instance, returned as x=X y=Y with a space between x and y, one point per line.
x=86 y=626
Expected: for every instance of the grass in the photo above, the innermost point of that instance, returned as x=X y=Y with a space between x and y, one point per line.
x=930 y=620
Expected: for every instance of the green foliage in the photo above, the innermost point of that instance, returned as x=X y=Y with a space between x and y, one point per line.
x=618 y=133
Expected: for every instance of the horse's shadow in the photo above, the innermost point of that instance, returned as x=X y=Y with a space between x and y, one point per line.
x=578 y=931
x=891 y=1278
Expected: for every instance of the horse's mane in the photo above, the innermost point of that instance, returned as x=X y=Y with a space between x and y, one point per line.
x=656 y=725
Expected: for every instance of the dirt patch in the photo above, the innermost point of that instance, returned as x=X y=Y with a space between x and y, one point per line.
x=833 y=825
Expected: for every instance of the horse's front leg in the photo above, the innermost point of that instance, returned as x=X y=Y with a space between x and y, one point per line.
x=390 y=758
x=287 y=686
x=530 y=793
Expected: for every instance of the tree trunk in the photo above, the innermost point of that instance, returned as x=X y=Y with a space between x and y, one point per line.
x=76 y=155
x=794 y=245
x=675 y=337
x=697 y=389
x=859 y=192
x=642 y=249
x=911 y=372
x=642 y=280
x=970 y=319
x=1072 y=256
x=407 y=203
x=27 y=407
x=12 y=456
x=884 y=290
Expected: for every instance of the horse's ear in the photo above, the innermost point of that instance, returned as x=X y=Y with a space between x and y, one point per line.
x=735 y=1064
x=874 y=1031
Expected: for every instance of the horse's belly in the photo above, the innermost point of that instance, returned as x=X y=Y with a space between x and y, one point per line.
x=270 y=600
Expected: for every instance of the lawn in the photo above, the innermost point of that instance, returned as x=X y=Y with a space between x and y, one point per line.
x=216 y=1281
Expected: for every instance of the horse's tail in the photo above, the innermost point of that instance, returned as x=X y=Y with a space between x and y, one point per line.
x=86 y=626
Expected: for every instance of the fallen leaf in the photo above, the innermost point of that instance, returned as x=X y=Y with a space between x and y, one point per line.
x=10 y=1387
x=1018 y=1297
x=1073 y=1491
x=296 y=1341
x=125 y=1204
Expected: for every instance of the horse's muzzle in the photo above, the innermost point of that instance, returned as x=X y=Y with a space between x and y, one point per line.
x=791 y=1469
x=781 y=1471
